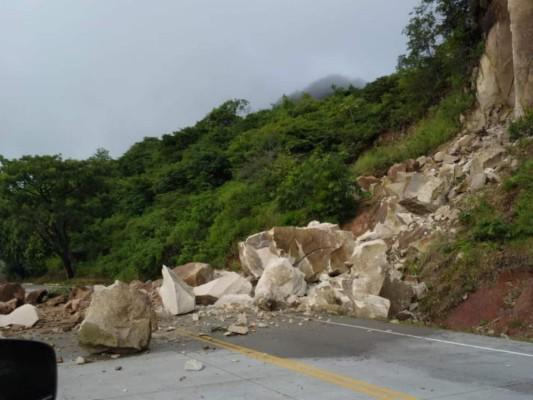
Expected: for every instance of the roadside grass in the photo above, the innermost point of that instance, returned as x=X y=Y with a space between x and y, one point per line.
x=442 y=123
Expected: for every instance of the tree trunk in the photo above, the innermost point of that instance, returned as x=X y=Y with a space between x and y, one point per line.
x=67 y=264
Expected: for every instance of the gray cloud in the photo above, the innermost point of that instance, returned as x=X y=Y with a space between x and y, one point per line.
x=78 y=75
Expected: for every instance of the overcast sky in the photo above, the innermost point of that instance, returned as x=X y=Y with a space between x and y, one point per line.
x=76 y=75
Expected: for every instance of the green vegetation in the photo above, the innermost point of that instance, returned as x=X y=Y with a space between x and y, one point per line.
x=191 y=195
x=522 y=127
x=496 y=235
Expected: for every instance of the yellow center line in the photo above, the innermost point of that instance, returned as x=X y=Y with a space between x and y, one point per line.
x=359 y=386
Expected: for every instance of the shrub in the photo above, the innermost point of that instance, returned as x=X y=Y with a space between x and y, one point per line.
x=522 y=127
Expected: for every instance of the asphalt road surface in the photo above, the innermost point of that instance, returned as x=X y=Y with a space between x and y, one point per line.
x=341 y=358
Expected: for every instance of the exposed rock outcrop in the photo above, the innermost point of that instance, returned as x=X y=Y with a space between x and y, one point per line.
x=505 y=77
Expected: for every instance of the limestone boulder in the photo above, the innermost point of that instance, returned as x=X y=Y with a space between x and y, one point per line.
x=255 y=253
x=9 y=291
x=279 y=281
x=369 y=268
x=118 y=319
x=423 y=194
x=322 y=296
x=195 y=273
x=315 y=249
x=227 y=283
x=177 y=297
x=368 y=306
x=399 y=293
x=25 y=316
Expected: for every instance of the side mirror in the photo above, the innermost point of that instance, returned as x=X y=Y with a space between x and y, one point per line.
x=28 y=370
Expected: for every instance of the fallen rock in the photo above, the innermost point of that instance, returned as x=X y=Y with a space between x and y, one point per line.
x=25 y=316
x=371 y=307
x=238 y=329
x=10 y=291
x=7 y=307
x=193 y=365
x=228 y=283
x=424 y=194
x=399 y=293
x=80 y=360
x=119 y=318
x=242 y=300
x=194 y=273
x=370 y=265
x=178 y=297
x=36 y=296
x=255 y=253
x=279 y=281
x=315 y=249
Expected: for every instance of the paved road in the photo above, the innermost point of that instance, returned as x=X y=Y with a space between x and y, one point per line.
x=340 y=359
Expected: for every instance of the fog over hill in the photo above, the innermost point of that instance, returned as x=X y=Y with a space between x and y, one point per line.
x=325 y=86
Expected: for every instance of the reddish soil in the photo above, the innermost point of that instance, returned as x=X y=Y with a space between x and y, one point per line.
x=506 y=307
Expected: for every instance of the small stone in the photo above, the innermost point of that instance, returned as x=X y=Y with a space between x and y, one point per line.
x=193 y=365
x=118 y=368
x=115 y=356
x=242 y=319
x=59 y=360
x=80 y=360
x=182 y=378
x=237 y=329
x=196 y=317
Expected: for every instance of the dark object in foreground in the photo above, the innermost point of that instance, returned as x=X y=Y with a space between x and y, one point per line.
x=27 y=370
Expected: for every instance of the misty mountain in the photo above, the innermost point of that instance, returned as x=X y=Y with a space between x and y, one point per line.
x=324 y=87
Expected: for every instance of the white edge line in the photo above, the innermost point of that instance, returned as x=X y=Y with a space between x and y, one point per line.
x=428 y=339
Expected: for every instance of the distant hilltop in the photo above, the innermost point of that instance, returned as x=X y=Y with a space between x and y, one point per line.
x=323 y=87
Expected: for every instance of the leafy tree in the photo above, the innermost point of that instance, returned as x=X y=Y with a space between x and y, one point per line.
x=53 y=198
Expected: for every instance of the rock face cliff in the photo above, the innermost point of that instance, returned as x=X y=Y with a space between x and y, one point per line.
x=505 y=77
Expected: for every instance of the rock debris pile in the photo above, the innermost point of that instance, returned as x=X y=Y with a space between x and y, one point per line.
x=358 y=271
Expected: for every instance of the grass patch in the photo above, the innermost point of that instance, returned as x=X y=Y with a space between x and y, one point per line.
x=439 y=127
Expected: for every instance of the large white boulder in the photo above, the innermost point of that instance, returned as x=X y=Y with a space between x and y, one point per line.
x=228 y=283
x=369 y=268
x=178 y=297
x=279 y=281
x=255 y=253
x=25 y=315
x=371 y=307
x=119 y=318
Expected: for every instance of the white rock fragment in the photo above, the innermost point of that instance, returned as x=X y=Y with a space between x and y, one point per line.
x=193 y=365
x=25 y=315
x=228 y=283
x=178 y=297
x=279 y=281
x=237 y=329
x=242 y=300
